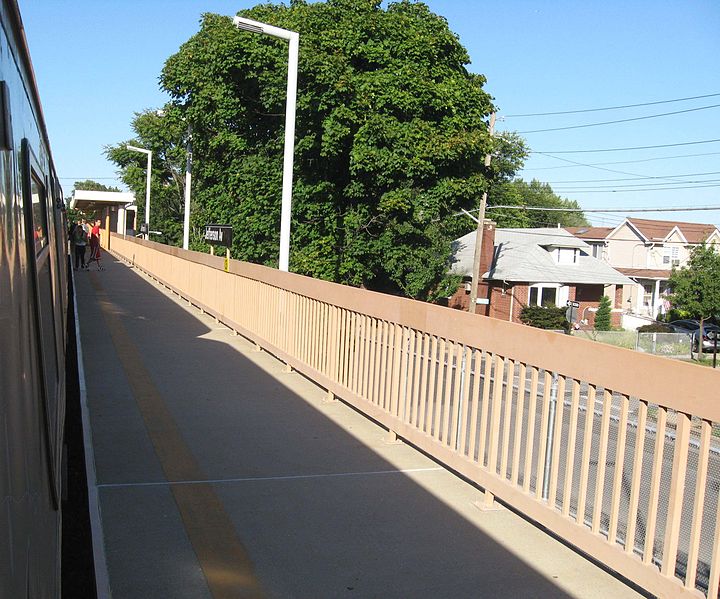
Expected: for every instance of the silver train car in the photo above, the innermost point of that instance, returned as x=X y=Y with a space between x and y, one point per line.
x=34 y=309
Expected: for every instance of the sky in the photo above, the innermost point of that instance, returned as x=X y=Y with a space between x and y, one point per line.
x=98 y=62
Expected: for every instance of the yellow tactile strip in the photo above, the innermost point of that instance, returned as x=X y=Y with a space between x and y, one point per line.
x=223 y=558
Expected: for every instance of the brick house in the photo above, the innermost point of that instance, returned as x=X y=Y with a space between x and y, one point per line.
x=540 y=267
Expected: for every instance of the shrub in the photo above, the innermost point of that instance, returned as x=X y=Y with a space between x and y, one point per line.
x=602 y=316
x=544 y=317
x=656 y=327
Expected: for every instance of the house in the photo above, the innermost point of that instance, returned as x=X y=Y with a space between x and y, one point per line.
x=646 y=251
x=543 y=267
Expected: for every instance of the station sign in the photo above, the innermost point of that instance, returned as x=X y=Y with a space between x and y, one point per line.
x=219 y=235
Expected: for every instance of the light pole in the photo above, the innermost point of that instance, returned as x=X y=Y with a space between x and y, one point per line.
x=294 y=39
x=147 y=185
x=188 y=179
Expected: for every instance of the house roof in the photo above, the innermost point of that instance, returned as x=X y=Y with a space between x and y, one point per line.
x=594 y=233
x=659 y=230
x=645 y=273
x=521 y=255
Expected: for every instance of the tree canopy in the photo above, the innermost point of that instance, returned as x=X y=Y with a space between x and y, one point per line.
x=390 y=138
x=391 y=135
x=519 y=194
x=696 y=286
x=165 y=134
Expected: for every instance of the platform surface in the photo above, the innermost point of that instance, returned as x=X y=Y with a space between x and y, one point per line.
x=220 y=475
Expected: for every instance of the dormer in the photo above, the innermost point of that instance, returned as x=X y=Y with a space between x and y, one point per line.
x=567 y=252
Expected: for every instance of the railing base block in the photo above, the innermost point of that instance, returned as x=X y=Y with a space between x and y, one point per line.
x=392 y=438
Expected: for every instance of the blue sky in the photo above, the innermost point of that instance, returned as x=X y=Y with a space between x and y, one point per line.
x=98 y=62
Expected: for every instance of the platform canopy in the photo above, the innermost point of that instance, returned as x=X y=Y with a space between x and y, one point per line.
x=116 y=209
x=95 y=201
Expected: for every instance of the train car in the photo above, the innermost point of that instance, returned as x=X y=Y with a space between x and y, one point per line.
x=34 y=304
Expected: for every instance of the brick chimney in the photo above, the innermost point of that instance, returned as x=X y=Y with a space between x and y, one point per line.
x=486 y=256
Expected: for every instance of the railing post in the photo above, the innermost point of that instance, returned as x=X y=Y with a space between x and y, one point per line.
x=550 y=436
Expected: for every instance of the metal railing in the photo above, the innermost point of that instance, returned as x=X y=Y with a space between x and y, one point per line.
x=613 y=450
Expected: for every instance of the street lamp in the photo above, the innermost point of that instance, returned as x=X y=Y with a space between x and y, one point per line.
x=188 y=178
x=294 y=39
x=188 y=182
x=147 y=185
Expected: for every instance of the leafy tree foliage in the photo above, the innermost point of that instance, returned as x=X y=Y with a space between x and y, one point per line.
x=391 y=136
x=603 y=314
x=696 y=286
x=520 y=193
x=91 y=185
x=165 y=134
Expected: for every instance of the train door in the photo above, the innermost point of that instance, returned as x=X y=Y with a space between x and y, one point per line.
x=37 y=229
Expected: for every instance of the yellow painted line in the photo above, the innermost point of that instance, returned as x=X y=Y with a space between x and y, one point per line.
x=223 y=558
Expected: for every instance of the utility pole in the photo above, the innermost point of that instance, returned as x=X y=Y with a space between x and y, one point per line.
x=479 y=235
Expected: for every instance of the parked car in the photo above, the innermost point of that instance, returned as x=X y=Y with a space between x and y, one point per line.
x=692 y=327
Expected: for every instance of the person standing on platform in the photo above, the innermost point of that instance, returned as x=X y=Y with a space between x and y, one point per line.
x=95 y=245
x=79 y=241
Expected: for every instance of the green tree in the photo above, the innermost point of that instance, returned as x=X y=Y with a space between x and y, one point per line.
x=696 y=286
x=603 y=314
x=165 y=134
x=519 y=193
x=390 y=139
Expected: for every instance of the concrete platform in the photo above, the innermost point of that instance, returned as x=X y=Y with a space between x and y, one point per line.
x=219 y=475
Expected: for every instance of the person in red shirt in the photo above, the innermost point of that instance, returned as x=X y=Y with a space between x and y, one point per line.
x=95 y=244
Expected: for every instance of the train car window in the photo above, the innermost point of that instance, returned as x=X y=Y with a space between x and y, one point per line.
x=40 y=217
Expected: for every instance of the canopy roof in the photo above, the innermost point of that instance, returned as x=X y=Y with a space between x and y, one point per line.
x=89 y=201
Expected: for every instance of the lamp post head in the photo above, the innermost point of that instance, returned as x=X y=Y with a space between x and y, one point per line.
x=258 y=27
x=136 y=149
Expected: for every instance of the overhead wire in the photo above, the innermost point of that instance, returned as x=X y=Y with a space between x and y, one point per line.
x=610 y=107
x=687 y=143
x=678 y=156
x=638 y=178
x=637 y=118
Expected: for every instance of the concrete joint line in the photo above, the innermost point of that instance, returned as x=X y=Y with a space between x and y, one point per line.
x=251 y=479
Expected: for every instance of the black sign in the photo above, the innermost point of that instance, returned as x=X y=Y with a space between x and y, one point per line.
x=572 y=304
x=219 y=235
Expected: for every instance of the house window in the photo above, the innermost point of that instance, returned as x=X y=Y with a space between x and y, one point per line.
x=672 y=256
x=543 y=296
x=567 y=255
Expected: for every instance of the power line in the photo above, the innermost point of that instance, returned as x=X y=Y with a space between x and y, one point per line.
x=550 y=168
x=638 y=178
x=600 y=168
x=637 y=118
x=508 y=116
x=687 y=143
x=595 y=190
x=608 y=210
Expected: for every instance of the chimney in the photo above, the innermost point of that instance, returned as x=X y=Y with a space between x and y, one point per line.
x=488 y=247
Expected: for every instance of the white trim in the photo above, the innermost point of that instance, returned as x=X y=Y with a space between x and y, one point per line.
x=629 y=224
x=679 y=232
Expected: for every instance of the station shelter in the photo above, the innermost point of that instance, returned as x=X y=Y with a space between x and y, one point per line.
x=116 y=210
